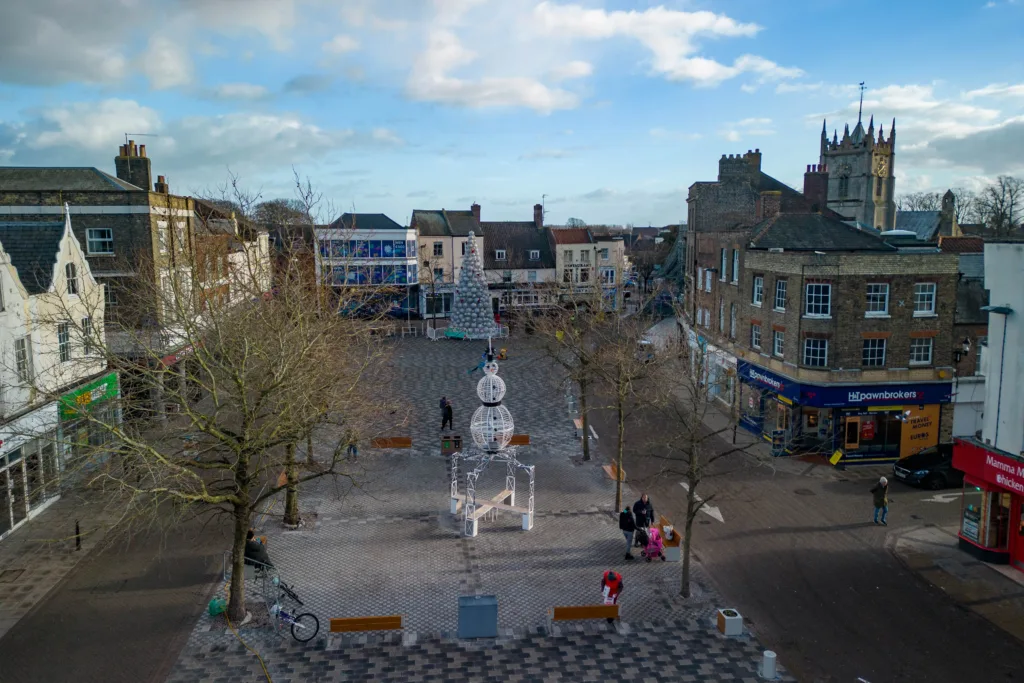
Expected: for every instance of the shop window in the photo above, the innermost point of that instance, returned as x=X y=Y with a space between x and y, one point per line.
x=780 y=295
x=924 y=299
x=873 y=353
x=816 y=353
x=921 y=351
x=755 y=336
x=758 y=293
x=818 y=300
x=566 y=276
x=877 y=300
x=986 y=519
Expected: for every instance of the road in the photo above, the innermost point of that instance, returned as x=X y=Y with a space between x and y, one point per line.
x=121 y=616
x=800 y=557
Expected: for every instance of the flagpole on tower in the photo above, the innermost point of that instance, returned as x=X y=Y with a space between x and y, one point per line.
x=860 y=111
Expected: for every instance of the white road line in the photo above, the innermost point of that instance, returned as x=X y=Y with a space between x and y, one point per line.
x=592 y=431
x=709 y=509
x=943 y=498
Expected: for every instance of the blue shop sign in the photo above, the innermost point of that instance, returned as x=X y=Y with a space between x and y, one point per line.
x=765 y=379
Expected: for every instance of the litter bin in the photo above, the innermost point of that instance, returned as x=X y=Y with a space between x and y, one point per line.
x=478 y=616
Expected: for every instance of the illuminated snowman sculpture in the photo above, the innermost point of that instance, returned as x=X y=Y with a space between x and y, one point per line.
x=491 y=428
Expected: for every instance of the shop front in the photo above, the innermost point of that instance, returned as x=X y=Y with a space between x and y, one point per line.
x=29 y=467
x=854 y=424
x=83 y=414
x=717 y=365
x=992 y=508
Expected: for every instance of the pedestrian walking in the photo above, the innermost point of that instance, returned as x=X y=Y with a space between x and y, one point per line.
x=444 y=402
x=447 y=420
x=611 y=589
x=880 y=493
x=627 y=526
x=643 y=512
x=351 y=449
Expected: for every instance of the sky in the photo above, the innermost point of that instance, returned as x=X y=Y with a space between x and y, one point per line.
x=603 y=110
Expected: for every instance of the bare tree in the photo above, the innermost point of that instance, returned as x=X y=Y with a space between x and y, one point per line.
x=1001 y=206
x=919 y=201
x=433 y=276
x=575 y=223
x=966 y=205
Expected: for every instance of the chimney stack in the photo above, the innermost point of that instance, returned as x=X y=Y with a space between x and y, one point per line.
x=816 y=187
x=476 y=211
x=133 y=166
x=161 y=185
x=538 y=215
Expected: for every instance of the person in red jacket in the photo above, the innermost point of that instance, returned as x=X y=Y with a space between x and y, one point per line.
x=611 y=588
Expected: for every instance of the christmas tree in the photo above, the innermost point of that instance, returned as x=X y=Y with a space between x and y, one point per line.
x=471 y=311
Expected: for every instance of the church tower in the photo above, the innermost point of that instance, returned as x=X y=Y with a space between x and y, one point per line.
x=861 y=184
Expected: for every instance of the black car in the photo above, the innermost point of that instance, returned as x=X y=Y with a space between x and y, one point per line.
x=931 y=468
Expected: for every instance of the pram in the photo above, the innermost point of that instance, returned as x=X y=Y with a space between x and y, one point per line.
x=654 y=545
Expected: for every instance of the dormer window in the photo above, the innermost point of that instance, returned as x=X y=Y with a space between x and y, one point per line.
x=499 y=254
x=71 y=275
x=534 y=254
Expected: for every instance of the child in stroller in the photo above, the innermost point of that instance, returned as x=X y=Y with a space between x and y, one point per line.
x=654 y=545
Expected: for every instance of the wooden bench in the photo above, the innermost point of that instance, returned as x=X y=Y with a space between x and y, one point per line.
x=519 y=440
x=673 y=547
x=497 y=502
x=577 y=422
x=580 y=612
x=352 y=624
x=614 y=472
x=392 y=442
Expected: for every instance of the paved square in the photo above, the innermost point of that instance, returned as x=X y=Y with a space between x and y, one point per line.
x=385 y=543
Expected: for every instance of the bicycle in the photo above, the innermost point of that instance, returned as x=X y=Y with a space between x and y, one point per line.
x=304 y=627
x=262 y=571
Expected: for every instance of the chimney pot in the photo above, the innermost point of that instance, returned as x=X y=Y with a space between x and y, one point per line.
x=808 y=168
x=757 y=151
x=142 y=150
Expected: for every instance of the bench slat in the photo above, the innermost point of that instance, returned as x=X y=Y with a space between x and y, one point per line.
x=576 y=612
x=392 y=442
x=520 y=440
x=350 y=624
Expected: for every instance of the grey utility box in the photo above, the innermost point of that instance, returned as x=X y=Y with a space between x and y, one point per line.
x=478 y=616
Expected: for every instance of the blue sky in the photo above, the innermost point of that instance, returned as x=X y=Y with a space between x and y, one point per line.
x=610 y=108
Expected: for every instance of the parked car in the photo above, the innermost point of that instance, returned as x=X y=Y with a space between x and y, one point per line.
x=931 y=468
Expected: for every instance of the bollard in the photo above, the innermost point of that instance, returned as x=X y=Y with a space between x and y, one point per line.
x=768 y=665
x=78 y=536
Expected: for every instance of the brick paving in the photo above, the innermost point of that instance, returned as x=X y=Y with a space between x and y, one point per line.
x=385 y=543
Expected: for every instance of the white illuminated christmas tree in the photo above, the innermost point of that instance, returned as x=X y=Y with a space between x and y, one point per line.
x=471 y=311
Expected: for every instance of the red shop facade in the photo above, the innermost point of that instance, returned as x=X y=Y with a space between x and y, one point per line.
x=992 y=515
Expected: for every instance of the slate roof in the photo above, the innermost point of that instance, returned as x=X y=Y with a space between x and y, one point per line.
x=444 y=223
x=972 y=266
x=924 y=223
x=517 y=239
x=572 y=236
x=962 y=245
x=41 y=178
x=374 y=222
x=812 y=232
x=33 y=248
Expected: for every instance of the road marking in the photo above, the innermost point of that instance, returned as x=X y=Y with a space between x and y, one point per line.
x=592 y=431
x=709 y=509
x=943 y=498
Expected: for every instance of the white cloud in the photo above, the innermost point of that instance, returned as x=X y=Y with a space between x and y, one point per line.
x=166 y=63
x=239 y=91
x=387 y=136
x=90 y=126
x=340 y=44
x=552 y=153
x=996 y=90
x=574 y=69
x=747 y=128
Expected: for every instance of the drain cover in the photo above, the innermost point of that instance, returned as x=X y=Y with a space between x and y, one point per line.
x=804 y=492
x=10 y=575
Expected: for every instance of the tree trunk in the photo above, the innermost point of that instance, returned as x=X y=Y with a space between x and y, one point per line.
x=692 y=508
x=309 y=448
x=291 y=500
x=618 y=453
x=585 y=417
x=236 y=601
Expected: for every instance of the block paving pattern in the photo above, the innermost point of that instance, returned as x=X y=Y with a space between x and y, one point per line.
x=384 y=542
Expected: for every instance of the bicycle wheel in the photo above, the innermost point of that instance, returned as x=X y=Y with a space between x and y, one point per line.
x=305 y=627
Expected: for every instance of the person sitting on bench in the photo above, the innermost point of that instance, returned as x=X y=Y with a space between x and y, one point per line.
x=255 y=552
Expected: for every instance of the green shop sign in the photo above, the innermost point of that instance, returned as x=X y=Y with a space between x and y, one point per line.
x=96 y=391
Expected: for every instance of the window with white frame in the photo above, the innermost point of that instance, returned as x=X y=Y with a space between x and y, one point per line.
x=755 y=335
x=818 y=300
x=71 y=276
x=707 y=280
x=758 y=292
x=64 y=342
x=924 y=298
x=721 y=316
x=873 y=353
x=99 y=241
x=87 y=335
x=877 y=300
x=534 y=254
x=109 y=294
x=780 y=295
x=23 y=358
x=162 y=235
x=700 y=277
x=438 y=274
x=567 y=255
x=506 y=277
x=735 y=266
x=438 y=248
x=499 y=254
x=608 y=276
x=778 y=342
x=816 y=352
x=604 y=254
x=584 y=256
x=531 y=276
x=921 y=351
x=982 y=343
x=721 y=265
x=732 y=321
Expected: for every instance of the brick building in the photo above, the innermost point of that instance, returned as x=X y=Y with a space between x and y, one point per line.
x=818 y=334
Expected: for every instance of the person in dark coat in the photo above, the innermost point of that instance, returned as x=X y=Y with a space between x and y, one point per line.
x=627 y=526
x=255 y=552
x=444 y=402
x=643 y=512
x=880 y=493
x=447 y=415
